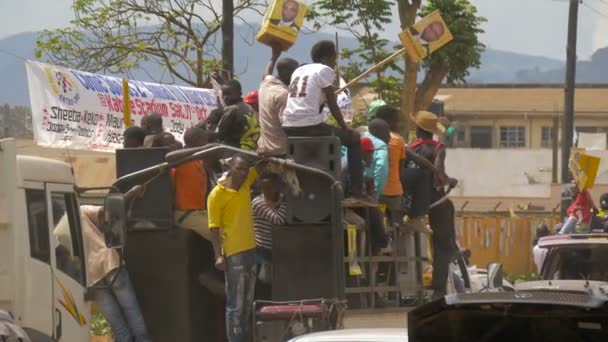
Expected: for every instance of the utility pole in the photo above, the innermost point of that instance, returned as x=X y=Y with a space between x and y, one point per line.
x=568 y=122
x=228 y=38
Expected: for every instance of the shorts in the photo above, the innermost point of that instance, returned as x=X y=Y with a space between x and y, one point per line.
x=196 y=220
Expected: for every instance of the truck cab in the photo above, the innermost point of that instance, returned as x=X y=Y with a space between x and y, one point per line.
x=42 y=269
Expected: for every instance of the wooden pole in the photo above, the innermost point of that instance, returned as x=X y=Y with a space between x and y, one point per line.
x=387 y=60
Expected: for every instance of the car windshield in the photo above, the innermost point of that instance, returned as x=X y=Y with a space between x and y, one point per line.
x=587 y=262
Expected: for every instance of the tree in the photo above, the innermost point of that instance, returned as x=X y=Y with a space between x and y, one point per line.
x=452 y=62
x=365 y=19
x=119 y=35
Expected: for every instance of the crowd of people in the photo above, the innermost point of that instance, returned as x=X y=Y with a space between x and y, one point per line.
x=380 y=172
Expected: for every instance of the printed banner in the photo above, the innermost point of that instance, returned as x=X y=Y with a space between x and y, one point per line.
x=81 y=110
x=583 y=168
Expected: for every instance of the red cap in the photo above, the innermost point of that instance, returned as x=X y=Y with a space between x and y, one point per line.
x=251 y=98
x=367 y=145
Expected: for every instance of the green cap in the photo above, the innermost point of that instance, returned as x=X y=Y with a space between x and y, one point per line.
x=373 y=107
x=450 y=131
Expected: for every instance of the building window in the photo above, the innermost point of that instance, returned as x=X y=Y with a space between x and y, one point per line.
x=461 y=134
x=481 y=136
x=546 y=137
x=513 y=136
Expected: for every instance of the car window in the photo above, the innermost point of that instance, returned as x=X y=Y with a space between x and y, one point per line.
x=38 y=227
x=578 y=263
x=66 y=223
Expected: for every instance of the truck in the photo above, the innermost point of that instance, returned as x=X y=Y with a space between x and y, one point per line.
x=42 y=285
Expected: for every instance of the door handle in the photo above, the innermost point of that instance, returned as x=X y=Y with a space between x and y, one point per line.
x=58 y=327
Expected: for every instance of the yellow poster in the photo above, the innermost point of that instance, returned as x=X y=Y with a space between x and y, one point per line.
x=583 y=168
x=426 y=36
x=282 y=23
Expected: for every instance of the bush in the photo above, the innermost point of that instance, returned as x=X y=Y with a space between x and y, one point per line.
x=99 y=326
x=520 y=278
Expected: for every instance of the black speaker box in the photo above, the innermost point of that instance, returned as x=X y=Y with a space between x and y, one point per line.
x=156 y=204
x=313 y=205
x=307 y=262
x=164 y=266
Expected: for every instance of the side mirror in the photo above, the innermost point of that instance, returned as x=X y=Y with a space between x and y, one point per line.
x=115 y=220
x=495 y=275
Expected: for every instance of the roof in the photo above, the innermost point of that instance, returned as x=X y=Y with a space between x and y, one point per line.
x=44 y=170
x=507 y=99
x=573 y=239
x=521 y=100
x=356 y=335
x=90 y=168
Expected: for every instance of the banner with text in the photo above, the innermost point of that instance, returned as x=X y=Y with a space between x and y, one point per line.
x=81 y=110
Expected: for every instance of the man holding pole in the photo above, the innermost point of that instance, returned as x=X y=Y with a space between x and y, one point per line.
x=310 y=89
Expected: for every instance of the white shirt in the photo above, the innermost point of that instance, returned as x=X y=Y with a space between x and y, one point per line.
x=306 y=95
x=539 y=257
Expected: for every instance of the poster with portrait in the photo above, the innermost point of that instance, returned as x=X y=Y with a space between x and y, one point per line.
x=583 y=168
x=426 y=36
x=282 y=23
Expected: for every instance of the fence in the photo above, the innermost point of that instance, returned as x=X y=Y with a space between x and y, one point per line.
x=504 y=237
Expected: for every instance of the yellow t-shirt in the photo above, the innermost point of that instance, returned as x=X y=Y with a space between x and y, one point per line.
x=231 y=211
x=396 y=153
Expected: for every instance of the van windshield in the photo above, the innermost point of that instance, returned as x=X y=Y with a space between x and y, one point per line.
x=588 y=262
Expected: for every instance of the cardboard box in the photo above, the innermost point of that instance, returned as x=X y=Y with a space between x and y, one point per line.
x=282 y=23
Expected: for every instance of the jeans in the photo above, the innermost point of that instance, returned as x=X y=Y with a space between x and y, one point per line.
x=117 y=302
x=240 y=287
x=351 y=141
x=441 y=220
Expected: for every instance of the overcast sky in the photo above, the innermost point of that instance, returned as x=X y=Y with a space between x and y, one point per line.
x=536 y=27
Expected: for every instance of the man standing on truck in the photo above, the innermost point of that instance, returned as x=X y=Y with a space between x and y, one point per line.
x=392 y=196
x=310 y=89
x=152 y=125
x=273 y=98
x=238 y=126
x=233 y=239
x=441 y=213
x=107 y=279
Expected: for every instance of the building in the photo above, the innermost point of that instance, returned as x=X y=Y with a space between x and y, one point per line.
x=520 y=116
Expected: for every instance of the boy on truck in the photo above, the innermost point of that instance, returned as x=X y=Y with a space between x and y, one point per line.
x=310 y=89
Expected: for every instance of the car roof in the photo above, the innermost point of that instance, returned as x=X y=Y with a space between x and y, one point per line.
x=572 y=239
x=356 y=335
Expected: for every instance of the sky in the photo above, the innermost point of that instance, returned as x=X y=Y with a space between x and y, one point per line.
x=534 y=27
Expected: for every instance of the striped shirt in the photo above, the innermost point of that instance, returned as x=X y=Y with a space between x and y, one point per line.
x=265 y=218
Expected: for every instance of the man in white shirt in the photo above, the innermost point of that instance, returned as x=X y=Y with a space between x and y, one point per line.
x=310 y=89
x=538 y=253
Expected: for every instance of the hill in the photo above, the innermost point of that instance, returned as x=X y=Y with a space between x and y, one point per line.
x=251 y=57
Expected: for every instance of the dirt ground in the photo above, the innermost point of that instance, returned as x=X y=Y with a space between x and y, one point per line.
x=358 y=320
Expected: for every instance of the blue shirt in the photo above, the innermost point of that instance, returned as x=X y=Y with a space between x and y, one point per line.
x=378 y=169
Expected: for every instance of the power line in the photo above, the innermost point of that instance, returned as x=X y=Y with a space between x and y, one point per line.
x=12 y=54
x=603 y=1
x=595 y=10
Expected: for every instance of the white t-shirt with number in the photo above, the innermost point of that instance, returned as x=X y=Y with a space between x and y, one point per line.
x=306 y=95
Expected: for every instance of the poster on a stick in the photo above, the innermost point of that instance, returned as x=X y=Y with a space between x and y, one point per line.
x=81 y=110
x=282 y=23
x=583 y=168
x=426 y=36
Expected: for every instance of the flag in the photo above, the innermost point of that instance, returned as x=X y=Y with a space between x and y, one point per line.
x=126 y=103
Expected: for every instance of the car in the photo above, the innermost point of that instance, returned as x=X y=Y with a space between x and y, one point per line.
x=356 y=335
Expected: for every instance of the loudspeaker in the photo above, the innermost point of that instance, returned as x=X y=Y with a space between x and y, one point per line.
x=164 y=266
x=307 y=262
x=155 y=208
x=313 y=205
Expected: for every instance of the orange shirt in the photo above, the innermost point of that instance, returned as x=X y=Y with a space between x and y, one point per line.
x=396 y=153
x=190 y=182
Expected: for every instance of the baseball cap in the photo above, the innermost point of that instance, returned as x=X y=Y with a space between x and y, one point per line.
x=251 y=97
x=367 y=145
x=373 y=107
